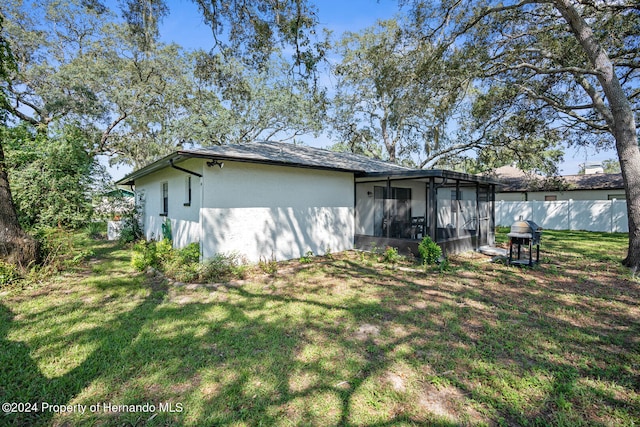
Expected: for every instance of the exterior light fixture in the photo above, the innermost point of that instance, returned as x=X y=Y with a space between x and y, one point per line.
x=213 y=163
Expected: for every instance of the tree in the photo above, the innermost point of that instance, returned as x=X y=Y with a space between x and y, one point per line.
x=611 y=166
x=234 y=104
x=254 y=30
x=15 y=245
x=390 y=91
x=65 y=53
x=52 y=43
x=51 y=176
x=147 y=94
x=571 y=63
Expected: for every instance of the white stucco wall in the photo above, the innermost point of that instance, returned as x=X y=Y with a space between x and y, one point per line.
x=264 y=211
x=185 y=220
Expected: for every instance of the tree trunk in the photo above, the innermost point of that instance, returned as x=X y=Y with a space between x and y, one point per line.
x=16 y=246
x=620 y=121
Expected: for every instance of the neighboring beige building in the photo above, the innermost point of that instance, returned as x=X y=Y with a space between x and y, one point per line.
x=518 y=186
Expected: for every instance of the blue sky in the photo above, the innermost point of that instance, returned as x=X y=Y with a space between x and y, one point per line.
x=185 y=26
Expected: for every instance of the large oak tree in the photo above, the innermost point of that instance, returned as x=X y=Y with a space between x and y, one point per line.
x=15 y=245
x=573 y=65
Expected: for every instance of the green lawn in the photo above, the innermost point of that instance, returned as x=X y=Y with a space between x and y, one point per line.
x=342 y=341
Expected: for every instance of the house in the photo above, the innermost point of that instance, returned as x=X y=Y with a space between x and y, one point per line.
x=518 y=186
x=268 y=200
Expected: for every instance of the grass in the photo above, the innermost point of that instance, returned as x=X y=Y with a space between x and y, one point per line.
x=349 y=340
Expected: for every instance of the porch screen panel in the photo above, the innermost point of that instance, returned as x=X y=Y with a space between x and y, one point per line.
x=468 y=217
x=392 y=214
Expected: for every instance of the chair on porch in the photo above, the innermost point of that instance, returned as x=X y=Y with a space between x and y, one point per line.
x=417 y=227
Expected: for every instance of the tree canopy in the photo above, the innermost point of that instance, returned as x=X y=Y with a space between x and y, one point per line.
x=570 y=67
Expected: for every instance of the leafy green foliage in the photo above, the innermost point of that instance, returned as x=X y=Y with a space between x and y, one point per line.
x=253 y=31
x=96 y=230
x=144 y=255
x=7 y=65
x=268 y=266
x=307 y=257
x=390 y=255
x=429 y=250
x=51 y=177
x=222 y=268
x=395 y=97
x=236 y=104
x=9 y=273
x=184 y=264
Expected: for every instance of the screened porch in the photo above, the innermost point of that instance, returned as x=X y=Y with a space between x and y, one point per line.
x=456 y=210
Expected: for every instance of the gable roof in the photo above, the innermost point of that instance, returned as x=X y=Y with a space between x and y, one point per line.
x=273 y=153
x=599 y=181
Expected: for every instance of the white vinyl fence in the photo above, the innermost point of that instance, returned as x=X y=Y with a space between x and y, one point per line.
x=590 y=215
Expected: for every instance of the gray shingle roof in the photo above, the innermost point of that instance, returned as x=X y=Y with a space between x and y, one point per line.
x=600 y=181
x=295 y=155
x=277 y=153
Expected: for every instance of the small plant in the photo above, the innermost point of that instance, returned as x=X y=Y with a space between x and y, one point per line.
x=81 y=256
x=444 y=265
x=182 y=264
x=165 y=252
x=429 y=250
x=222 y=268
x=8 y=273
x=307 y=257
x=269 y=267
x=144 y=255
x=390 y=255
x=327 y=253
x=131 y=230
x=96 y=230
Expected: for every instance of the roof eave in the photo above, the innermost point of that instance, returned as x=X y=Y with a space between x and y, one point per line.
x=430 y=173
x=180 y=155
x=150 y=168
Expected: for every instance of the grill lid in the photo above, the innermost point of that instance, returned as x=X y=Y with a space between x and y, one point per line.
x=525 y=227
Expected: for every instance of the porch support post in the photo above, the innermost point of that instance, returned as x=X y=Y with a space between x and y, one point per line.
x=433 y=209
x=492 y=224
x=478 y=233
x=387 y=210
x=427 y=203
x=457 y=202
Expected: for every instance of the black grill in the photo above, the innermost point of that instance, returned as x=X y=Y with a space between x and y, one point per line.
x=527 y=234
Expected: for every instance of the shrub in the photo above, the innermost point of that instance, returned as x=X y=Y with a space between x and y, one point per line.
x=270 y=267
x=390 y=255
x=165 y=252
x=222 y=268
x=429 y=251
x=131 y=230
x=96 y=230
x=8 y=273
x=190 y=253
x=307 y=257
x=184 y=264
x=181 y=264
x=144 y=255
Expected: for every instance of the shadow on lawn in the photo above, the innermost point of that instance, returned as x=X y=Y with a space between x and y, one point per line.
x=258 y=357
x=22 y=381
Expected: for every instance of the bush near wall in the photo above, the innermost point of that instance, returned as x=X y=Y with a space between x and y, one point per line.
x=184 y=264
